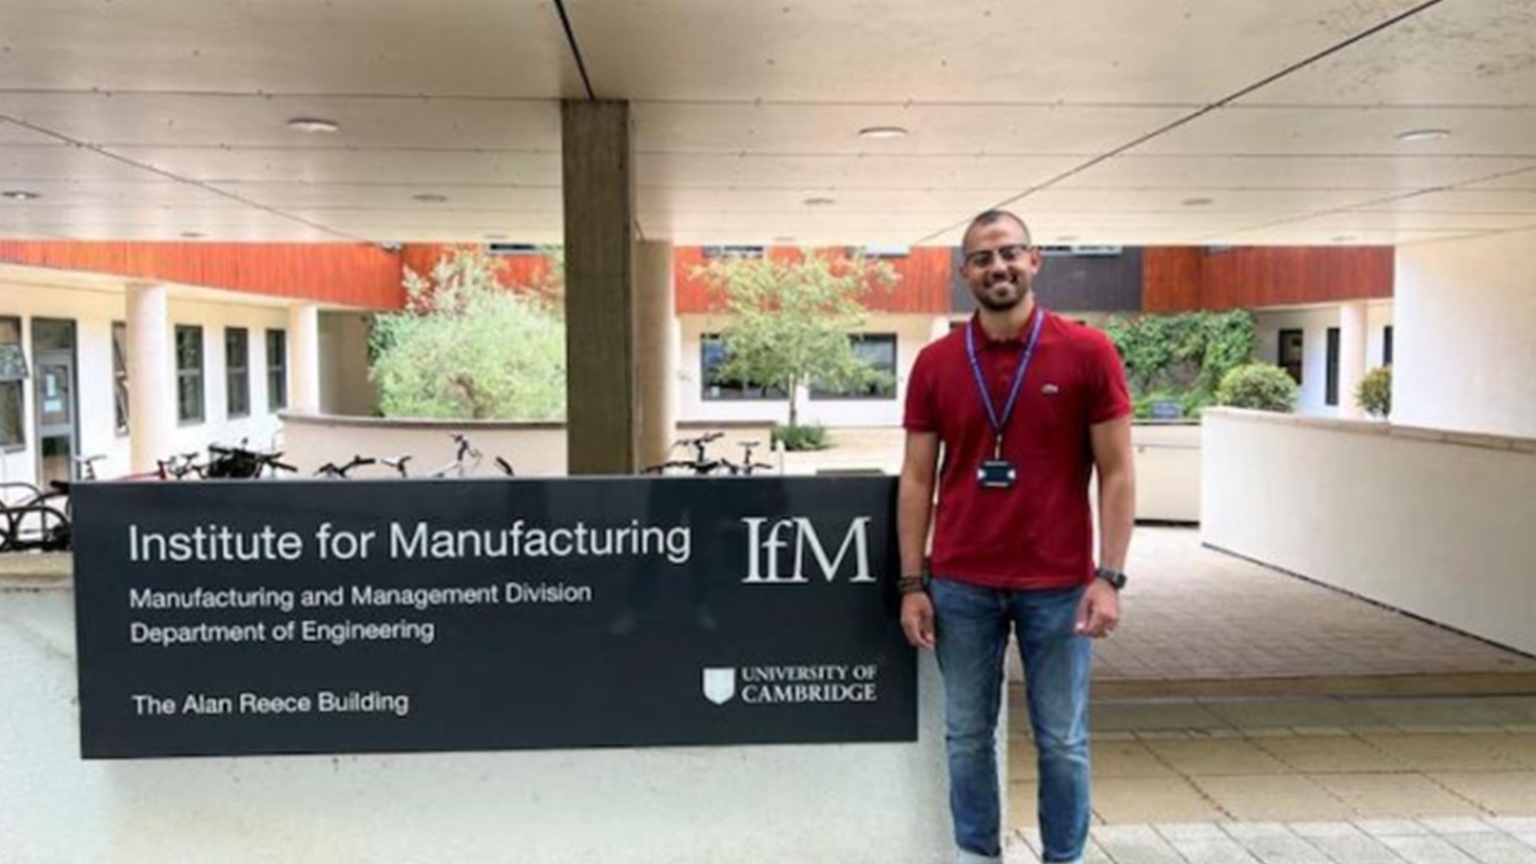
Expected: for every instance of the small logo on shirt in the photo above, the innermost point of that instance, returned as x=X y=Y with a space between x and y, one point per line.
x=1050 y=390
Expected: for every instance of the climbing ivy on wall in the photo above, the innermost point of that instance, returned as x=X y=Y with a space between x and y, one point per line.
x=1181 y=358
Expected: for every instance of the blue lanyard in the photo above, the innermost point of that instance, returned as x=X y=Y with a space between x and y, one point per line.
x=1001 y=423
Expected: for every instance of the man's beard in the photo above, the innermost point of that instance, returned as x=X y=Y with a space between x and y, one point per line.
x=991 y=303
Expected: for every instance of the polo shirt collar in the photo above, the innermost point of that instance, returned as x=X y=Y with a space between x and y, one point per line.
x=985 y=341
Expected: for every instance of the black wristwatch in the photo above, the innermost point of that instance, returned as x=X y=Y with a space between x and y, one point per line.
x=1115 y=578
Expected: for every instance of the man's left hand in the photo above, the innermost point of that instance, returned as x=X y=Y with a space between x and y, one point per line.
x=1098 y=613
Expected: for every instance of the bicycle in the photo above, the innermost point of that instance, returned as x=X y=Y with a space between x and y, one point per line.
x=35 y=523
x=180 y=465
x=331 y=469
x=463 y=451
x=85 y=466
x=701 y=464
x=746 y=467
x=240 y=463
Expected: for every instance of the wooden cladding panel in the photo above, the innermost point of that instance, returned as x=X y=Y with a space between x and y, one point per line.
x=341 y=274
x=1260 y=276
x=1171 y=278
x=922 y=285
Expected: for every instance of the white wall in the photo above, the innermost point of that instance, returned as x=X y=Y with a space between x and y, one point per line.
x=1436 y=524
x=913 y=332
x=344 y=385
x=851 y=804
x=1314 y=323
x=1466 y=344
x=93 y=312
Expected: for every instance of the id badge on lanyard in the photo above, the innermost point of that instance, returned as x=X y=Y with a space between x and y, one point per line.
x=997 y=472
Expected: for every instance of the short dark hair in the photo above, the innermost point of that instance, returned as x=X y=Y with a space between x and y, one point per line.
x=987 y=217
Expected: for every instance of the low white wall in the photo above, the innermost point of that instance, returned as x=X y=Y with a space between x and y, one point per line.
x=309 y=441
x=534 y=449
x=1437 y=524
x=1167 y=471
x=823 y=804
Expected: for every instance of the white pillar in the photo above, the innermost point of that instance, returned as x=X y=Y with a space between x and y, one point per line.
x=656 y=349
x=1352 y=340
x=151 y=378
x=304 y=359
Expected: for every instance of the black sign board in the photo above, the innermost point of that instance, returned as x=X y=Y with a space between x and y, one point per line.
x=244 y=617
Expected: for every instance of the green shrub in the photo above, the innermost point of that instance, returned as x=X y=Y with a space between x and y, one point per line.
x=1374 y=395
x=1260 y=386
x=796 y=438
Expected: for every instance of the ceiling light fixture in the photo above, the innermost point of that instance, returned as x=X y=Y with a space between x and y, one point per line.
x=819 y=202
x=19 y=195
x=193 y=235
x=430 y=198
x=1416 y=135
x=1345 y=238
x=882 y=132
x=314 y=125
x=1196 y=202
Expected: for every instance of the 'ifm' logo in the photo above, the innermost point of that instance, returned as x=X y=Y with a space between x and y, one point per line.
x=765 y=551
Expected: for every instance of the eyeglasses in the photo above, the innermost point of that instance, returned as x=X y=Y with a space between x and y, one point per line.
x=1009 y=254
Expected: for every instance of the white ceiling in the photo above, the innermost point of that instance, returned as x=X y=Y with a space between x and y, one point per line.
x=1095 y=119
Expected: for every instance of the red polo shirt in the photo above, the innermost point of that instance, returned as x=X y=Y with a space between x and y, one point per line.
x=1039 y=534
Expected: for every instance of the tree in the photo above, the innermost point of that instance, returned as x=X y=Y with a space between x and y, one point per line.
x=790 y=319
x=468 y=347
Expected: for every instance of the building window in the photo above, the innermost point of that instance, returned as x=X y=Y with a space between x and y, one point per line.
x=712 y=253
x=277 y=370
x=237 y=371
x=1386 y=346
x=712 y=355
x=879 y=351
x=1291 y=344
x=189 y=373
x=120 y=376
x=13 y=372
x=1333 y=366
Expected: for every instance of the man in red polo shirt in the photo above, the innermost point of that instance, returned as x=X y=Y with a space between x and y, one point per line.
x=1023 y=406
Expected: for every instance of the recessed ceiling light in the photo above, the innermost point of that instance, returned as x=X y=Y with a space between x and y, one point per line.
x=193 y=235
x=882 y=132
x=1413 y=135
x=314 y=125
x=1196 y=202
x=819 y=202
x=430 y=198
x=20 y=195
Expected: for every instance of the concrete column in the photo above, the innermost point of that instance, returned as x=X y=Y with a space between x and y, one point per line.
x=1352 y=356
x=304 y=359
x=656 y=348
x=151 y=378
x=601 y=415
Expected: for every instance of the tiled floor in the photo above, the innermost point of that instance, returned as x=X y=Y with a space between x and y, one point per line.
x=1193 y=613
x=1191 y=781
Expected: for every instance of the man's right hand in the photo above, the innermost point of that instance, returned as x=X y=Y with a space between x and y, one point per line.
x=917 y=619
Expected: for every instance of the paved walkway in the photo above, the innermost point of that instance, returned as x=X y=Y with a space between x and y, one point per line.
x=1212 y=781
x=1193 y=613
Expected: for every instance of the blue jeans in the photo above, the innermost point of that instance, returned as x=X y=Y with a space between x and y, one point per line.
x=972 y=626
